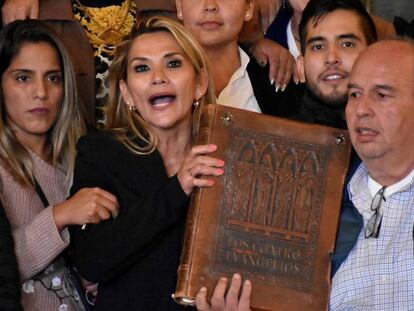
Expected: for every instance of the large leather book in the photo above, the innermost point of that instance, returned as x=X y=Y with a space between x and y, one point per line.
x=272 y=216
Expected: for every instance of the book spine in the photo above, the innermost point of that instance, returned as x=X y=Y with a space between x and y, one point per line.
x=182 y=293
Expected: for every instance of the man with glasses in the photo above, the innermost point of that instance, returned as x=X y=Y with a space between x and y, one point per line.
x=373 y=263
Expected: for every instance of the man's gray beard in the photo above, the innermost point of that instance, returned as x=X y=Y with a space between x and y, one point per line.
x=335 y=100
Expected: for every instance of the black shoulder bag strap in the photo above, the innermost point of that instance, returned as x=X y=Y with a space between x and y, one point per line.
x=72 y=274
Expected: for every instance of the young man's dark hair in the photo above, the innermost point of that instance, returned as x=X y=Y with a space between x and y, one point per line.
x=317 y=9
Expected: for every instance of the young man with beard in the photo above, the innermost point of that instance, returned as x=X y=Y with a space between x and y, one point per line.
x=332 y=34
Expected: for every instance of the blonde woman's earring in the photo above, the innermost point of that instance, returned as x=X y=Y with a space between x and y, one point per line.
x=195 y=104
x=131 y=107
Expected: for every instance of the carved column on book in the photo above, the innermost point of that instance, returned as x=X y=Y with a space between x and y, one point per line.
x=272 y=217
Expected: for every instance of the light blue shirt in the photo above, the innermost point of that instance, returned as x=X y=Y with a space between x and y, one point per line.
x=378 y=273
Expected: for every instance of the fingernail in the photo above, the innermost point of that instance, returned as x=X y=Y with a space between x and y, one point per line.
x=203 y=289
x=247 y=283
x=210 y=182
x=277 y=88
x=262 y=63
x=213 y=147
x=220 y=171
x=223 y=279
x=272 y=81
x=296 y=80
x=221 y=163
x=236 y=276
x=283 y=87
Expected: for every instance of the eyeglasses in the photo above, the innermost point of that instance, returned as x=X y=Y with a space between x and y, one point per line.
x=374 y=223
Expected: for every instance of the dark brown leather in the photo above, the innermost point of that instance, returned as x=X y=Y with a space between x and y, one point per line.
x=273 y=216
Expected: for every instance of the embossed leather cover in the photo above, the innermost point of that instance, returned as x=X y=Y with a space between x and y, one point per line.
x=273 y=216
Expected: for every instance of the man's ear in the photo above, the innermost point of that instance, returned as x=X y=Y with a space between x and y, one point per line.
x=300 y=68
x=179 y=9
x=249 y=12
x=202 y=84
x=126 y=95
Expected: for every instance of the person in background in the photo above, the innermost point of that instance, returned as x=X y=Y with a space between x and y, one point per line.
x=285 y=27
x=91 y=30
x=9 y=275
x=239 y=81
x=332 y=34
x=146 y=157
x=267 y=10
x=104 y=23
x=373 y=261
x=40 y=124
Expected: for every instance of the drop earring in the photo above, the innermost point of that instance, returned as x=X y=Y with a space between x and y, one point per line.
x=195 y=104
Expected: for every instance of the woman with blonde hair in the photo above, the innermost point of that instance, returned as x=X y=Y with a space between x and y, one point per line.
x=146 y=157
x=39 y=126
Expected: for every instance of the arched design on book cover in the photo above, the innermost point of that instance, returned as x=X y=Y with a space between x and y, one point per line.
x=274 y=189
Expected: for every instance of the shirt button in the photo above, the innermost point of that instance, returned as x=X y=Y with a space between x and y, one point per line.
x=63 y=307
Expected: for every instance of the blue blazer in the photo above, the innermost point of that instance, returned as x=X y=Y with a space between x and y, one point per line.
x=277 y=29
x=350 y=224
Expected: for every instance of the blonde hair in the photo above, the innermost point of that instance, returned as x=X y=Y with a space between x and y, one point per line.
x=69 y=125
x=127 y=125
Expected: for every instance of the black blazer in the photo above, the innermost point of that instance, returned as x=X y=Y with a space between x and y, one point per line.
x=135 y=256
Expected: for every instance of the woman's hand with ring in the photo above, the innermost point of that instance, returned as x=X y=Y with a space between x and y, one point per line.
x=197 y=165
